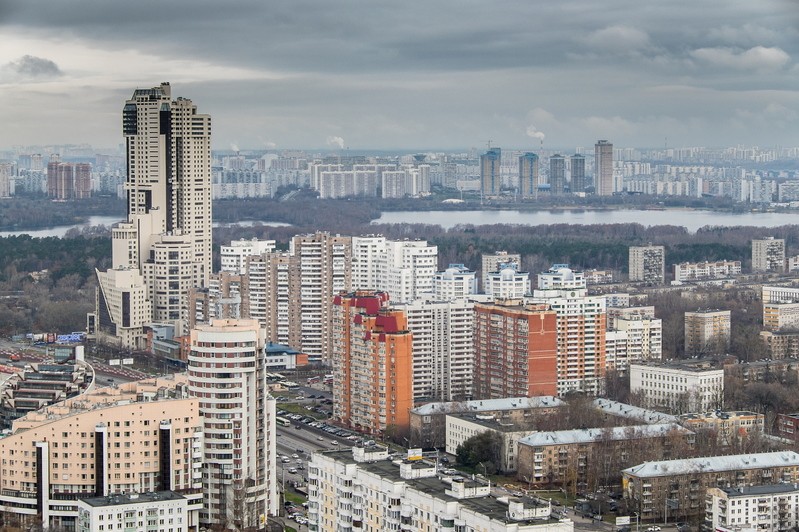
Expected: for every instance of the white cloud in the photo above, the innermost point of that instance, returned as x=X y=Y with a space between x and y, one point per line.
x=618 y=39
x=756 y=58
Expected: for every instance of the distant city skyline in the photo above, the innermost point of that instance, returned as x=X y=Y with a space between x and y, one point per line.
x=448 y=75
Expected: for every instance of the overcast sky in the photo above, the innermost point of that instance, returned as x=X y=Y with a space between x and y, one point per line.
x=411 y=74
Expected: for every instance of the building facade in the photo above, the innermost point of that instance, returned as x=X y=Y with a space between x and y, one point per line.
x=490 y=175
x=227 y=374
x=167 y=235
x=603 y=168
x=648 y=486
x=557 y=174
x=516 y=350
x=698 y=271
x=137 y=437
x=372 y=360
x=707 y=332
x=528 y=175
x=494 y=262
x=166 y=511
x=648 y=264
x=768 y=255
x=678 y=387
x=769 y=507
x=578 y=177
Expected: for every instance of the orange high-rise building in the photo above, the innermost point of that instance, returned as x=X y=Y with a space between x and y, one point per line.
x=516 y=350
x=372 y=364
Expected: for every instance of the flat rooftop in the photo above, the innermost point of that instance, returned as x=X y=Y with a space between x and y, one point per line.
x=141 y=498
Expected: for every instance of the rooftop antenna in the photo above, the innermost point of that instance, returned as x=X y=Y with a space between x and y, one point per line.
x=489 y=144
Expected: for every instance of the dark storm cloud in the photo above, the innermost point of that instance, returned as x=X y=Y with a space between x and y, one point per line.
x=33 y=67
x=449 y=72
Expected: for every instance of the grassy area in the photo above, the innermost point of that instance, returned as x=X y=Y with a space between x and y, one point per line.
x=289 y=529
x=295 y=498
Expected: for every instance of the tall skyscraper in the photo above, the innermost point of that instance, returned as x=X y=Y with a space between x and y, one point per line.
x=490 y=178
x=557 y=174
x=528 y=175
x=577 y=174
x=603 y=168
x=163 y=249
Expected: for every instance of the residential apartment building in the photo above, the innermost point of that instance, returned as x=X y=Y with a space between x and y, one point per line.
x=6 y=179
x=699 y=271
x=372 y=359
x=69 y=181
x=234 y=256
x=516 y=350
x=494 y=262
x=528 y=175
x=456 y=282
x=490 y=174
x=227 y=374
x=581 y=330
x=781 y=344
x=686 y=482
x=507 y=283
x=603 y=168
x=779 y=294
x=557 y=174
x=678 y=387
x=136 y=437
x=594 y=276
x=780 y=316
x=768 y=255
x=443 y=347
x=428 y=421
x=588 y=456
x=638 y=336
x=729 y=426
x=647 y=264
x=461 y=427
x=770 y=507
x=707 y=332
x=363 y=489
x=408 y=268
x=163 y=248
x=166 y=511
x=787 y=426
x=579 y=181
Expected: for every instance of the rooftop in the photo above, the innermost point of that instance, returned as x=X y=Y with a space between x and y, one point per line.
x=564 y=437
x=436 y=487
x=487 y=405
x=141 y=498
x=633 y=412
x=714 y=464
x=767 y=489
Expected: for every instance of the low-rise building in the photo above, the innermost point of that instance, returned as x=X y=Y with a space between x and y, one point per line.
x=165 y=511
x=588 y=456
x=771 y=507
x=428 y=422
x=781 y=344
x=461 y=427
x=787 y=426
x=699 y=271
x=363 y=489
x=728 y=426
x=689 y=386
x=652 y=487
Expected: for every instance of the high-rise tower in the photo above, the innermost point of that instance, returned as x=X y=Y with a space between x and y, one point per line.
x=577 y=173
x=528 y=175
x=163 y=249
x=557 y=174
x=490 y=177
x=603 y=168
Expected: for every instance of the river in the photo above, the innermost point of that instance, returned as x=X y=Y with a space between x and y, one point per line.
x=691 y=220
x=61 y=230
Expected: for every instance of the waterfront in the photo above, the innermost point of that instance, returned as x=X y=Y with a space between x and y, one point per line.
x=93 y=221
x=690 y=219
